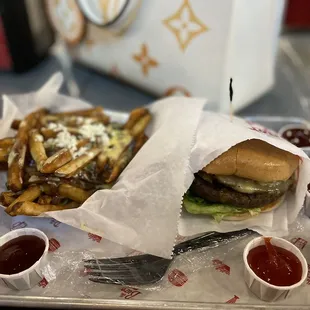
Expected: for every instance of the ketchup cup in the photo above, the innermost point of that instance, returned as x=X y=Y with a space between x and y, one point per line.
x=262 y=289
x=30 y=277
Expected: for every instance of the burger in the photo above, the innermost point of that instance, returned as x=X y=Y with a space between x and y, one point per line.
x=251 y=177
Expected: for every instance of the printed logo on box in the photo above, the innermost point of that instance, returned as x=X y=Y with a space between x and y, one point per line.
x=55 y=223
x=94 y=237
x=220 y=266
x=43 y=283
x=300 y=243
x=177 y=278
x=177 y=91
x=19 y=225
x=129 y=292
x=233 y=300
x=53 y=245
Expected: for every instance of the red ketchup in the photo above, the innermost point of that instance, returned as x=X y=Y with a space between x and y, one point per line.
x=275 y=265
x=297 y=136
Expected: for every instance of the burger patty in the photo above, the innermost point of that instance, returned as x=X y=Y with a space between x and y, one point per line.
x=216 y=192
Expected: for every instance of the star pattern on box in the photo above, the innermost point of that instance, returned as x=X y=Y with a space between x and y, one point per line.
x=185 y=25
x=145 y=60
x=177 y=91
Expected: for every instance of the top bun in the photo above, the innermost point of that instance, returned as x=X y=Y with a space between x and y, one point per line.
x=256 y=160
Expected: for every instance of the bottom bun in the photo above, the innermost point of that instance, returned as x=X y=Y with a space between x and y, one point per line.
x=274 y=205
x=247 y=215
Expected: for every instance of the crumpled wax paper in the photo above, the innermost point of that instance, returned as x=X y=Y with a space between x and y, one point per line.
x=216 y=134
x=145 y=203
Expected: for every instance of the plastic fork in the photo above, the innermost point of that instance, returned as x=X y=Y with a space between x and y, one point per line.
x=149 y=269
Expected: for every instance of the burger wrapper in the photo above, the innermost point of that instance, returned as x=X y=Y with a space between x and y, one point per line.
x=216 y=134
x=145 y=203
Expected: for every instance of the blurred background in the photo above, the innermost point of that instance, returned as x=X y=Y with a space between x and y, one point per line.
x=121 y=54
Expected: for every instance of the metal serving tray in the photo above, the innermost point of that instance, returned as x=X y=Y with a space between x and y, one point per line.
x=111 y=304
x=274 y=123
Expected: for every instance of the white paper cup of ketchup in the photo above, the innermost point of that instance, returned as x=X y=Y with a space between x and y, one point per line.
x=22 y=257
x=272 y=272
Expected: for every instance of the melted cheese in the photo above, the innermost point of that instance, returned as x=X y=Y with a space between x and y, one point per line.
x=248 y=186
x=119 y=141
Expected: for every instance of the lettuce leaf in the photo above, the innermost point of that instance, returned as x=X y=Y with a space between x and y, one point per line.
x=197 y=205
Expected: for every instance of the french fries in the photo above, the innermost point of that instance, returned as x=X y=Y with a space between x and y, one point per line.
x=50 y=189
x=84 y=113
x=139 y=127
x=140 y=141
x=6 y=142
x=134 y=116
x=74 y=193
x=121 y=163
x=138 y=121
x=82 y=143
x=37 y=149
x=5 y=148
x=6 y=198
x=35 y=209
x=16 y=158
x=56 y=161
x=31 y=194
x=75 y=165
x=45 y=200
x=48 y=133
x=102 y=160
x=111 y=152
x=4 y=154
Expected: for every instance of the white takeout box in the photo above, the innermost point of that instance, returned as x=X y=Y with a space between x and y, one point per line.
x=177 y=47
